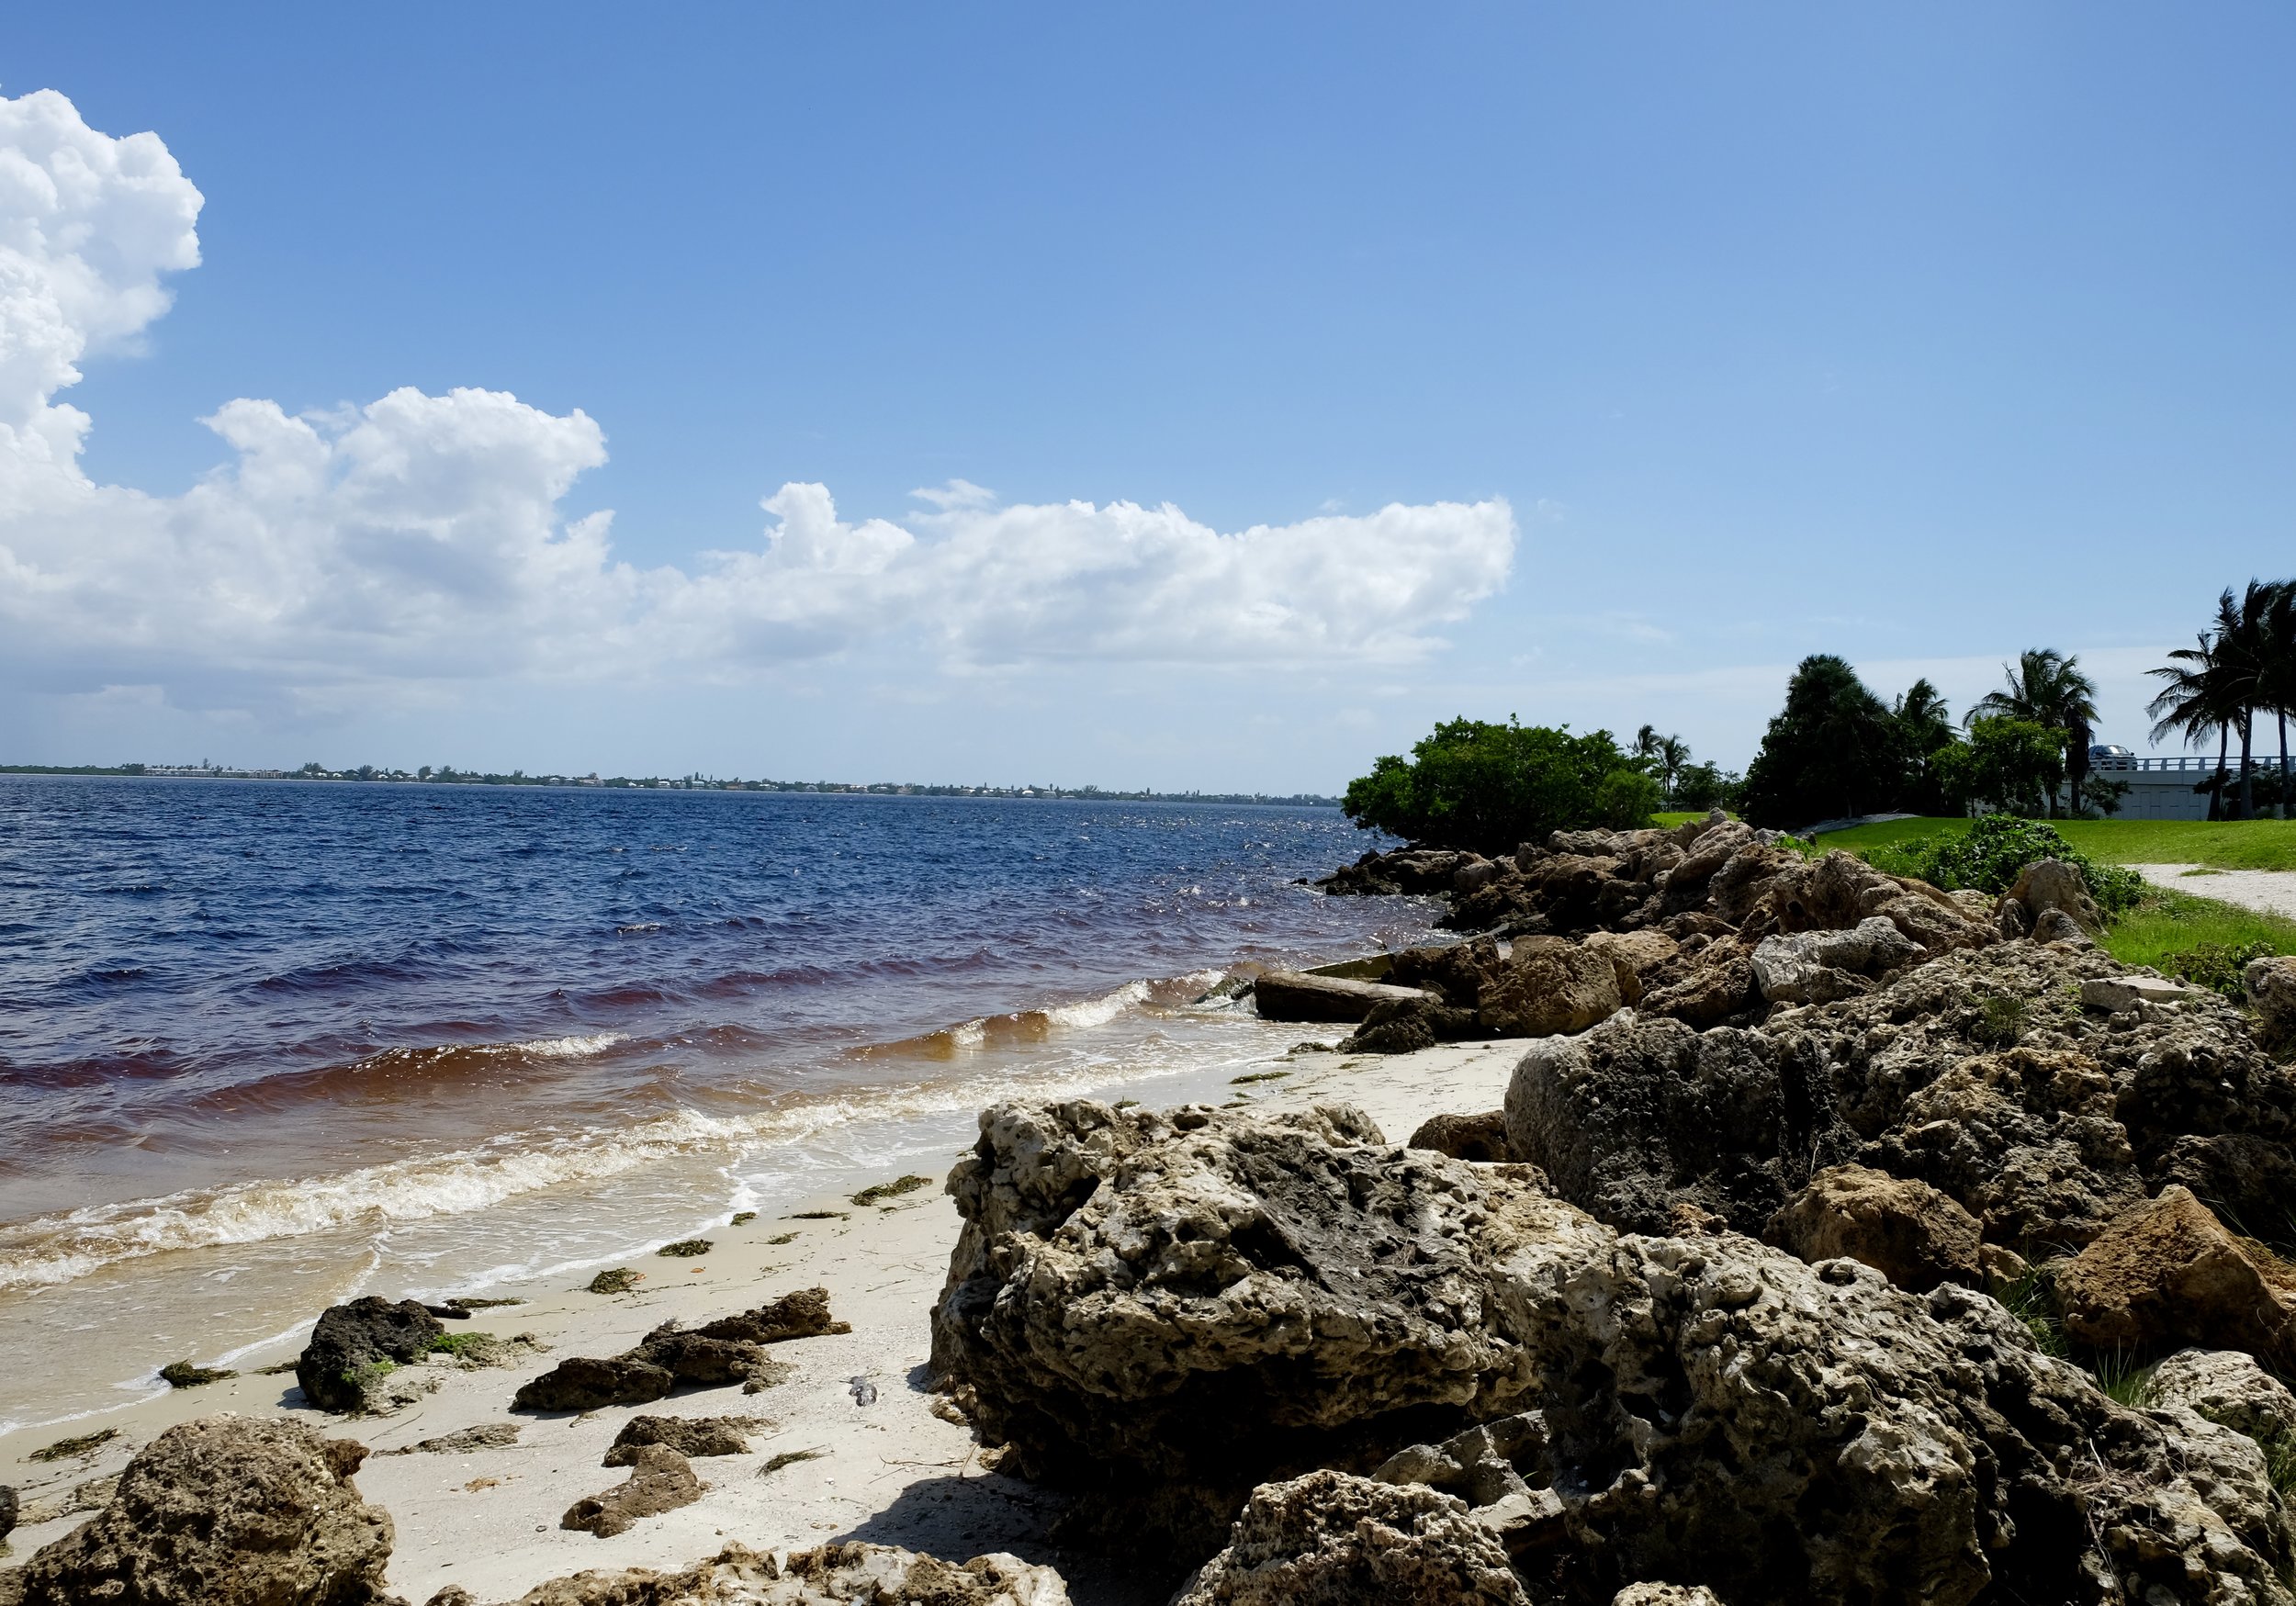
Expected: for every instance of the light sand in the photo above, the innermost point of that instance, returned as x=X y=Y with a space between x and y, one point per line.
x=2270 y=892
x=889 y=1472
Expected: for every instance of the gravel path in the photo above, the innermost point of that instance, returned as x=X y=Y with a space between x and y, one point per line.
x=2271 y=891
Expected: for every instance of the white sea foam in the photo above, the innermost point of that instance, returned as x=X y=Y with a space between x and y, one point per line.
x=571 y=1047
x=1091 y=1012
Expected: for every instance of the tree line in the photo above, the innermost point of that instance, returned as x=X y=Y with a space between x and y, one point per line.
x=1837 y=750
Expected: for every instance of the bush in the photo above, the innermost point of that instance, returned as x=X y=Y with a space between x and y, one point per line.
x=2217 y=966
x=1489 y=787
x=1991 y=853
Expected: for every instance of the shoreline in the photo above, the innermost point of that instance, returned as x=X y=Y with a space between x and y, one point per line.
x=889 y=1472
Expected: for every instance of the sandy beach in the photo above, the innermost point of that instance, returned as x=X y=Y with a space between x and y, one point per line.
x=888 y=1471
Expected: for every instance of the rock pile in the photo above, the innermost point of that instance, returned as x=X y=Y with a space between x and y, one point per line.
x=1708 y=923
x=1205 y=1317
x=832 y=1574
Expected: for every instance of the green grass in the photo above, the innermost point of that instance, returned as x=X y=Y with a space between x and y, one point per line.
x=1667 y=819
x=459 y=1344
x=2217 y=844
x=2164 y=924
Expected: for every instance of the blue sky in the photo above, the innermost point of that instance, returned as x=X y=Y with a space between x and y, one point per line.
x=1919 y=338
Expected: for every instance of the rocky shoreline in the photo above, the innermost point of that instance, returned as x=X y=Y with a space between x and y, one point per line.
x=1769 y=1229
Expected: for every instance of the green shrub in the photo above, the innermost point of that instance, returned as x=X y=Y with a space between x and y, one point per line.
x=1991 y=853
x=2217 y=965
x=1491 y=787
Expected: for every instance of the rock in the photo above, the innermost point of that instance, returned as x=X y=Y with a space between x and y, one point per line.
x=2230 y=1389
x=1719 y=986
x=2127 y=991
x=831 y=1574
x=1665 y=1595
x=802 y=1314
x=1474 y=874
x=686 y=1435
x=1410 y=1024
x=1166 y=1309
x=1330 y=1539
x=1635 y=955
x=1482 y=1137
x=2167 y=1273
x=355 y=1348
x=1817 y=967
x=225 y=1510
x=2056 y=926
x=1639 y=1115
x=2271 y=985
x=1404 y=870
x=1295 y=996
x=659 y=1481
x=1550 y=986
x=1457 y=972
x=583 y=1383
x=8 y=1508
x=711 y=1356
x=2050 y=886
x=1906 y=1231
x=486 y=1436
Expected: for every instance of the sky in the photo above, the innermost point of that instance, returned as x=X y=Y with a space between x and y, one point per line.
x=1180 y=397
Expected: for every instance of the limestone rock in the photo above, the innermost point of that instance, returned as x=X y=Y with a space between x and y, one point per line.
x=1906 y=1231
x=2271 y=985
x=1665 y=1595
x=851 y=1573
x=1223 y=1298
x=355 y=1347
x=2230 y=1389
x=1634 y=955
x=686 y=1435
x=1976 y=1073
x=1550 y=986
x=1330 y=1539
x=660 y=1480
x=1406 y=1026
x=802 y=1314
x=2167 y=1274
x=1817 y=967
x=225 y=1510
x=2128 y=992
x=1296 y=996
x=1482 y=1137
x=8 y=1508
x=2050 y=886
x=715 y=1355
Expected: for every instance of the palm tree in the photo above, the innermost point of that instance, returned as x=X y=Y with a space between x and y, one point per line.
x=2046 y=688
x=1673 y=758
x=2278 y=644
x=2192 y=703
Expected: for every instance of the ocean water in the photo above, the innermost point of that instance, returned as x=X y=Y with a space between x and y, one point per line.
x=267 y=1045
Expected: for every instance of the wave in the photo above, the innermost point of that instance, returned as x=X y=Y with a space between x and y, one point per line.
x=63 y=1248
x=1021 y=1026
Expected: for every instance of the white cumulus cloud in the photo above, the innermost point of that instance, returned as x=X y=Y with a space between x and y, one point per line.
x=422 y=537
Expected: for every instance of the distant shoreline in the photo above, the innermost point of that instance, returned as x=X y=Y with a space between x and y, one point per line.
x=450 y=776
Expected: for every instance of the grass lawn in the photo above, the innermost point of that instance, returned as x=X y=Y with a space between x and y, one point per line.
x=2169 y=923
x=2219 y=843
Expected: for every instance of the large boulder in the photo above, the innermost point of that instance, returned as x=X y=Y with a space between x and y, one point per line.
x=1550 y=986
x=1330 y=1539
x=2052 y=887
x=2167 y=1274
x=224 y=1511
x=851 y=1573
x=2232 y=1391
x=355 y=1347
x=1166 y=1309
x=1906 y=1231
x=1482 y=1137
x=1297 y=995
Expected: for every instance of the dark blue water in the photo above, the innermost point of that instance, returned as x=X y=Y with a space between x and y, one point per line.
x=208 y=988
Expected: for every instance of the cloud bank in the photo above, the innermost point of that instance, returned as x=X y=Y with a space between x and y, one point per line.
x=421 y=537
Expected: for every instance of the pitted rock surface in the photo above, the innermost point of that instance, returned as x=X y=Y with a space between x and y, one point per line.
x=851 y=1573
x=1223 y=1298
x=2230 y=1390
x=1329 y=1539
x=355 y=1347
x=2044 y=1139
x=224 y=1510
